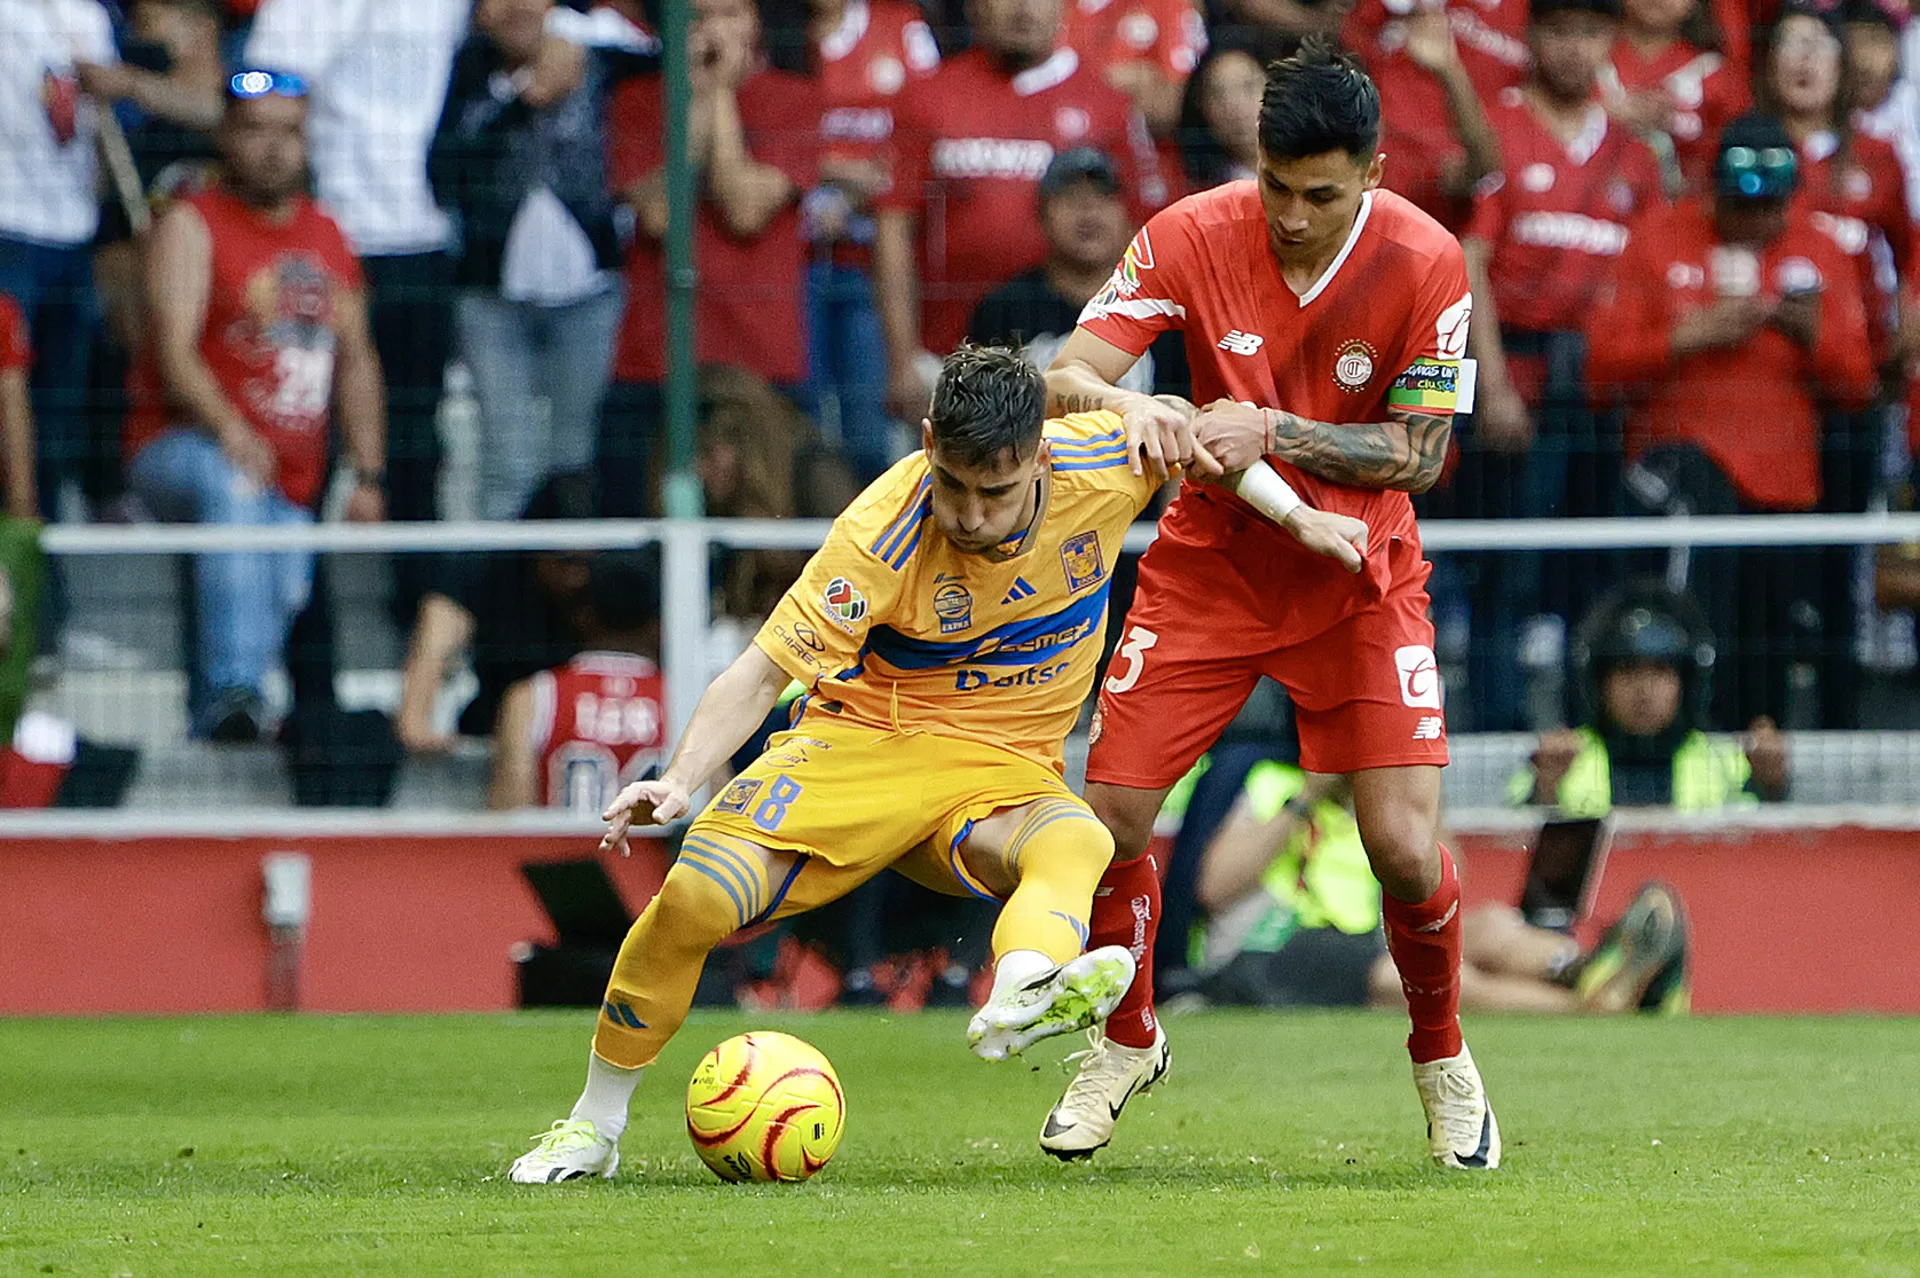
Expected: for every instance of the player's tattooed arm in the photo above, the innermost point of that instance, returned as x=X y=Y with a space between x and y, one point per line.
x=1405 y=452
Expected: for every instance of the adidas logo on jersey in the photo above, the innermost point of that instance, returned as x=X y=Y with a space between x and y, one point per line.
x=1429 y=728
x=1021 y=590
x=1240 y=343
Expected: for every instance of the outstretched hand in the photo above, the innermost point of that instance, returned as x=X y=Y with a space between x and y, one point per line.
x=1338 y=537
x=642 y=803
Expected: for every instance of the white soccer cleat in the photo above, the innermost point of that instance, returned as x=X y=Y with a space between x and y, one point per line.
x=1076 y=995
x=570 y=1149
x=1109 y=1076
x=1461 y=1130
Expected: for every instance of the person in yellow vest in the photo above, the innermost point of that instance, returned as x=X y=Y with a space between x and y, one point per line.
x=1643 y=666
x=1293 y=920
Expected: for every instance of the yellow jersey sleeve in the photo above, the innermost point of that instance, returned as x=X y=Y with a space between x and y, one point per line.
x=853 y=581
x=1092 y=448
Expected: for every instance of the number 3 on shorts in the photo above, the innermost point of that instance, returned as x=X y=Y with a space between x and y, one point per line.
x=1133 y=651
x=772 y=810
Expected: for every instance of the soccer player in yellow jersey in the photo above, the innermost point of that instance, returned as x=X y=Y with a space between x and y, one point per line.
x=947 y=634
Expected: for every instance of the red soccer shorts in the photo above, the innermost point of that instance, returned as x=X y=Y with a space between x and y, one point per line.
x=1209 y=618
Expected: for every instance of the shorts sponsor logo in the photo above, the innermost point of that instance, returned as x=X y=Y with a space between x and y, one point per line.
x=1353 y=366
x=954 y=606
x=1097 y=728
x=1031 y=677
x=1080 y=556
x=737 y=796
x=844 y=603
x=1419 y=676
x=1430 y=728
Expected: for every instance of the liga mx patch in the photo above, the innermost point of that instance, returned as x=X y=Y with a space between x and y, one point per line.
x=1428 y=385
x=844 y=603
x=1080 y=556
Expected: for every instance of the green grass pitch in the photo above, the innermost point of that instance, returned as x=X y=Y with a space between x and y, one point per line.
x=333 y=1145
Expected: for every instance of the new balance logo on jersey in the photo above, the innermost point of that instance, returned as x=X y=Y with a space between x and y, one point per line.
x=1429 y=728
x=1021 y=590
x=1240 y=343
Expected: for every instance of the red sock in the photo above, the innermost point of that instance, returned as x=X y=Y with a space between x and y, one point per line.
x=1424 y=940
x=1126 y=911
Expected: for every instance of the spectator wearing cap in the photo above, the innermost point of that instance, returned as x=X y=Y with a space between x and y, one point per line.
x=1726 y=326
x=49 y=209
x=756 y=141
x=1437 y=65
x=1670 y=80
x=540 y=297
x=972 y=142
x=259 y=322
x=1543 y=234
x=1083 y=213
x=865 y=54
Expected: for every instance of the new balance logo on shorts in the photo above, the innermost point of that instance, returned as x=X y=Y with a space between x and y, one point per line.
x=1430 y=728
x=1239 y=343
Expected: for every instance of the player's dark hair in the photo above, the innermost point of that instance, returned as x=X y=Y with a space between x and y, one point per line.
x=989 y=399
x=1316 y=101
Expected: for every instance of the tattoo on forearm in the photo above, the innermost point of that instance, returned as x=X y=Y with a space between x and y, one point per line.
x=1405 y=452
x=1064 y=404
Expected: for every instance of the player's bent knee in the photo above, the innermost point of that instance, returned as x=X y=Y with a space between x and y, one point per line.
x=1128 y=814
x=707 y=901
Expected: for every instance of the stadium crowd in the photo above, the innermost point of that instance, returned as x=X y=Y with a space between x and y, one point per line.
x=1688 y=223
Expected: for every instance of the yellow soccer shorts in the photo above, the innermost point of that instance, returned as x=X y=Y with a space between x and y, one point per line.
x=862 y=799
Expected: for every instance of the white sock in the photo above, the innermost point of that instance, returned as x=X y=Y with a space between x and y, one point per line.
x=1016 y=967
x=604 y=1102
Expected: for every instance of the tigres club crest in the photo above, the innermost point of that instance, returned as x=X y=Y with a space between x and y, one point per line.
x=1353 y=366
x=1080 y=556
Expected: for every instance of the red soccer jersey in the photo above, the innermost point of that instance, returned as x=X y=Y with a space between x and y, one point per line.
x=1416 y=127
x=268 y=337
x=879 y=46
x=1385 y=327
x=14 y=351
x=597 y=725
x=748 y=308
x=1706 y=88
x=1559 y=214
x=1168 y=34
x=971 y=145
x=1751 y=407
x=1858 y=204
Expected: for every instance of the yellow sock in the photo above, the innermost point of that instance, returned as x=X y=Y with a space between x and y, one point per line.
x=1057 y=856
x=716 y=887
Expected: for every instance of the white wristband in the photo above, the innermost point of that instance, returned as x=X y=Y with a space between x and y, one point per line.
x=1261 y=487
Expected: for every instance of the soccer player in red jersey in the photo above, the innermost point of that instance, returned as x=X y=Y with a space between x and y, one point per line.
x=971 y=143
x=573 y=736
x=1326 y=321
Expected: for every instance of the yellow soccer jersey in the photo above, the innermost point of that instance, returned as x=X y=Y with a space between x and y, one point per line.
x=892 y=626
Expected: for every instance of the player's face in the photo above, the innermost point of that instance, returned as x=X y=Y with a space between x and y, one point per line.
x=1311 y=202
x=1568 y=52
x=978 y=507
x=264 y=142
x=1642 y=698
x=1806 y=66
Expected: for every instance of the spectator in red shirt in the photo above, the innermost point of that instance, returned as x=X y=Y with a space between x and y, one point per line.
x=756 y=141
x=1144 y=48
x=972 y=142
x=16 y=413
x=1669 y=81
x=865 y=53
x=1726 y=325
x=259 y=327
x=1437 y=66
x=1543 y=234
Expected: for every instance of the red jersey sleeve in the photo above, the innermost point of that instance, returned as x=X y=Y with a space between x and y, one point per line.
x=1429 y=378
x=1147 y=294
x=14 y=352
x=638 y=145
